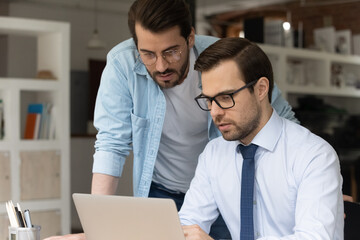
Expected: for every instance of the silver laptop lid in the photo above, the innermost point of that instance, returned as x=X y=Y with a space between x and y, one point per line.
x=128 y=218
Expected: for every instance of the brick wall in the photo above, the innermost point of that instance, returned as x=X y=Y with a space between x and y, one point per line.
x=342 y=16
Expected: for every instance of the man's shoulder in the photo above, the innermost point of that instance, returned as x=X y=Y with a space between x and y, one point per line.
x=302 y=138
x=202 y=42
x=125 y=56
x=126 y=47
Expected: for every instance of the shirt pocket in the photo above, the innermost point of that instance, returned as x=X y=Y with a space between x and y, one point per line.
x=140 y=129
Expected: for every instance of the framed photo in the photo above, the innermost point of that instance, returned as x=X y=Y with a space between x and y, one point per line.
x=324 y=39
x=343 y=42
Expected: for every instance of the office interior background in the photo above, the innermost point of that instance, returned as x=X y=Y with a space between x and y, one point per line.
x=315 y=24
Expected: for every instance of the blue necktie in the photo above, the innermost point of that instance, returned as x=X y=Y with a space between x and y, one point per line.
x=247 y=191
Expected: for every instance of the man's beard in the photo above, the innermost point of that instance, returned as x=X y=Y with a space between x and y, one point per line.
x=241 y=132
x=181 y=75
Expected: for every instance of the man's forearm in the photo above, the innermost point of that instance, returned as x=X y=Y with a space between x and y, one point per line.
x=104 y=184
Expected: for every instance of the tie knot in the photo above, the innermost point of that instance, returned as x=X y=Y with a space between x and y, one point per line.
x=248 y=152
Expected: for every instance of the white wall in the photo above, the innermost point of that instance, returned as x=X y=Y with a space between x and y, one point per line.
x=112 y=29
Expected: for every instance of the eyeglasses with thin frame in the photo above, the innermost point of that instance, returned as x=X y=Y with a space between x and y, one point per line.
x=171 y=56
x=223 y=100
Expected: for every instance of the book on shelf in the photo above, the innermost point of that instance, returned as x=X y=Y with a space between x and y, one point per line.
x=38 y=121
x=30 y=126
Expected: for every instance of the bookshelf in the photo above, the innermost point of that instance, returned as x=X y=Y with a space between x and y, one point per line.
x=302 y=71
x=330 y=84
x=36 y=172
x=328 y=77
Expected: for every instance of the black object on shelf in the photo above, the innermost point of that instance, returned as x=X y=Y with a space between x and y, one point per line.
x=254 y=29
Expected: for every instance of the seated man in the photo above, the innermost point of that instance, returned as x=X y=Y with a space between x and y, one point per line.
x=268 y=177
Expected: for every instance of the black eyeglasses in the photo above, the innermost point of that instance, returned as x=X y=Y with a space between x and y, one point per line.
x=225 y=101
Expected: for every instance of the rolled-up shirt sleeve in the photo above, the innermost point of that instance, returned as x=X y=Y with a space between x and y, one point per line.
x=112 y=119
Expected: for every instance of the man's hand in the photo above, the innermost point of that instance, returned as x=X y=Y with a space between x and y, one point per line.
x=79 y=236
x=348 y=198
x=194 y=232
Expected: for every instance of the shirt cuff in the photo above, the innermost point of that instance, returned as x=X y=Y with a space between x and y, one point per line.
x=108 y=163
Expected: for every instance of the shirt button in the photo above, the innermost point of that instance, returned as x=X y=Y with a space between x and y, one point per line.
x=254 y=202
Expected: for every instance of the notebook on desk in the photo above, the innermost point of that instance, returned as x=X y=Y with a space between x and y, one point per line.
x=128 y=218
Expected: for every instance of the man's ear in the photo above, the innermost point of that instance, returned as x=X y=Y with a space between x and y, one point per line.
x=263 y=88
x=191 y=38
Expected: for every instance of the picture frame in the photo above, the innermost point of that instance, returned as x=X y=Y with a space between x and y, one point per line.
x=343 y=42
x=324 y=39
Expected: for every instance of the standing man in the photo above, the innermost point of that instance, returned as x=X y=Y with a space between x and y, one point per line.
x=145 y=104
x=268 y=177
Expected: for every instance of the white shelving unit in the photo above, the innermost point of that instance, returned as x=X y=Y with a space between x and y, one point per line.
x=309 y=72
x=36 y=173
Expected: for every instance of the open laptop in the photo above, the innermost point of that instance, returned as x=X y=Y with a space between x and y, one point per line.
x=128 y=218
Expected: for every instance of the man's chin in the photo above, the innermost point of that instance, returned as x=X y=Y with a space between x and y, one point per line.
x=167 y=84
x=230 y=135
x=226 y=135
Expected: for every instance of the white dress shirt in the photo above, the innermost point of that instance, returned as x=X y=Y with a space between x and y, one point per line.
x=298 y=185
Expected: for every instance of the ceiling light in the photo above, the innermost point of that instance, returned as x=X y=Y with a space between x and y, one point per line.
x=286 y=26
x=95 y=42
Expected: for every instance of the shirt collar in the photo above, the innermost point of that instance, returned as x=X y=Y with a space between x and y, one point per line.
x=270 y=134
x=139 y=67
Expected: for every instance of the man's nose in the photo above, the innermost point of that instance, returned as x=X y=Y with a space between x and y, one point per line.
x=216 y=110
x=161 y=64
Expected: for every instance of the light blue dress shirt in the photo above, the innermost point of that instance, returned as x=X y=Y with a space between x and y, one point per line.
x=297 y=191
x=129 y=114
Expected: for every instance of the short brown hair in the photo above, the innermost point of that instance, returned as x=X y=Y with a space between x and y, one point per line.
x=160 y=15
x=250 y=59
